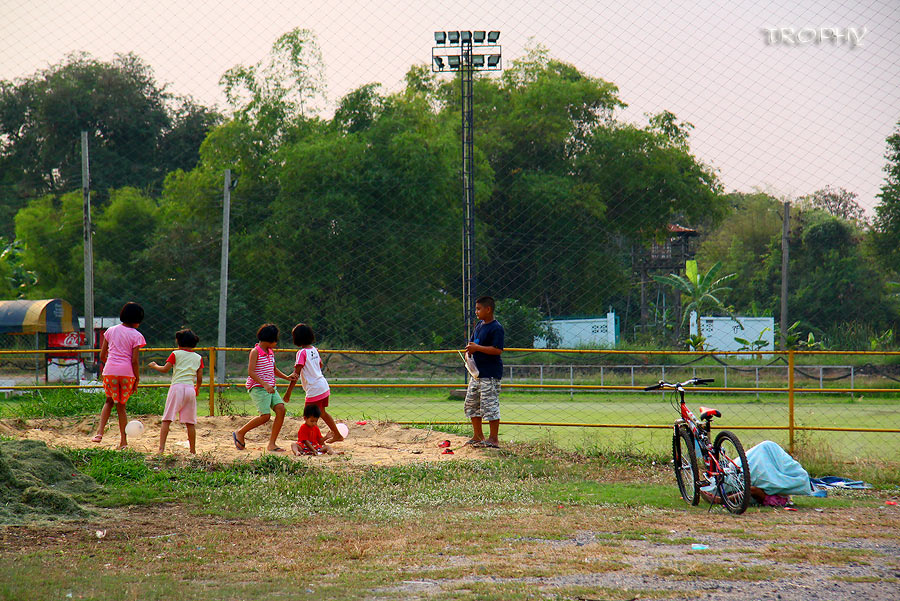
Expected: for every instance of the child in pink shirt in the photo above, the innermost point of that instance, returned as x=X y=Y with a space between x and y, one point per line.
x=119 y=354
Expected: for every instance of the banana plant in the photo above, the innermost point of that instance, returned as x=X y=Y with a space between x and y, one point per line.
x=702 y=289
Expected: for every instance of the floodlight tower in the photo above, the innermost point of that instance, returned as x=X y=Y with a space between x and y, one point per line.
x=455 y=51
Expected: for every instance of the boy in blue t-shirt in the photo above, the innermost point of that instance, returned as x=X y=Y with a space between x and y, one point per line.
x=483 y=393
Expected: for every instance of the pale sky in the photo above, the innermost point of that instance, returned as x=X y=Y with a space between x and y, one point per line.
x=790 y=119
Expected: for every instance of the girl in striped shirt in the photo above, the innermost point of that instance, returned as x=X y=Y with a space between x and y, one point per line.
x=261 y=372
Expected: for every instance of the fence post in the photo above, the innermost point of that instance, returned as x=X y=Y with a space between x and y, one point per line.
x=791 y=401
x=37 y=361
x=757 y=382
x=212 y=382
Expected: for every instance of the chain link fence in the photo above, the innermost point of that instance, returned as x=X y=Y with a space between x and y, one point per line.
x=632 y=166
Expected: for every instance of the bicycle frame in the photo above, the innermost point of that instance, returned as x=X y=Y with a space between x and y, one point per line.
x=713 y=471
x=700 y=432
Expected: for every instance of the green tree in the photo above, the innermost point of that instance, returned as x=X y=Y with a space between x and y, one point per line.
x=375 y=202
x=833 y=279
x=742 y=242
x=50 y=232
x=887 y=212
x=837 y=202
x=704 y=291
x=522 y=324
x=137 y=130
x=15 y=280
x=123 y=231
x=287 y=85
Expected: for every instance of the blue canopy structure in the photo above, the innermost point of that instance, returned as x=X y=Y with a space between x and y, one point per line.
x=32 y=316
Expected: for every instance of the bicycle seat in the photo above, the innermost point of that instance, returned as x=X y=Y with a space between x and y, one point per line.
x=709 y=413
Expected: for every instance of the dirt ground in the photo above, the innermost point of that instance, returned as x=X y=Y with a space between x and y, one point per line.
x=369 y=443
x=600 y=554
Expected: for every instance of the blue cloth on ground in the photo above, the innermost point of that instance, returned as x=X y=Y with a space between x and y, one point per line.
x=776 y=472
x=838 y=482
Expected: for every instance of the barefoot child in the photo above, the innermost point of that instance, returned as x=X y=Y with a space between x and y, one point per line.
x=119 y=354
x=187 y=377
x=261 y=372
x=309 y=437
x=308 y=368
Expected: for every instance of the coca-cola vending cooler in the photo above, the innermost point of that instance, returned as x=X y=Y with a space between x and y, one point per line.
x=67 y=367
x=72 y=367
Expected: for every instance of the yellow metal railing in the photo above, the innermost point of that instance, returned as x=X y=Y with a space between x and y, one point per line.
x=790 y=389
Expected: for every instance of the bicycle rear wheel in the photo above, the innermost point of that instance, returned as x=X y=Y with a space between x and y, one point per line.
x=733 y=485
x=684 y=460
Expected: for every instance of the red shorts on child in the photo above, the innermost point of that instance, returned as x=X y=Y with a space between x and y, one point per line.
x=118 y=388
x=322 y=402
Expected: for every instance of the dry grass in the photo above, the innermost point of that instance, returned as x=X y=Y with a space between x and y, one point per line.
x=717 y=571
x=818 y=555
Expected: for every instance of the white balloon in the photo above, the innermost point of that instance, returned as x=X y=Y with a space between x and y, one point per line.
x=343 y=430
x=134 y=428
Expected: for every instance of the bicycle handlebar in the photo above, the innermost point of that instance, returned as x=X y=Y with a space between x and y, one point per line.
x=669 y=385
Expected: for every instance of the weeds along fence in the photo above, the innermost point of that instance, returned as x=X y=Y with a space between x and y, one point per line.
x=847 y=403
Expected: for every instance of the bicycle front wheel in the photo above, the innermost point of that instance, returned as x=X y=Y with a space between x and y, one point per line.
x=684 y=460
x=733 y=483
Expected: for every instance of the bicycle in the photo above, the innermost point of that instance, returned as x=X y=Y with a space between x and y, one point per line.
x=724 y=460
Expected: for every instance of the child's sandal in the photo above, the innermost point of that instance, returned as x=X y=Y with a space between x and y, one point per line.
x=97 y=438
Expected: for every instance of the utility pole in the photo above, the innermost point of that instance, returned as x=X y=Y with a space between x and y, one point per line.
x=785 y=249
x=223 y=277
x=88 y=250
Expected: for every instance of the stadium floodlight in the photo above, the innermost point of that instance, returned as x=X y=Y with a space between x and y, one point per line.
x=455 y=52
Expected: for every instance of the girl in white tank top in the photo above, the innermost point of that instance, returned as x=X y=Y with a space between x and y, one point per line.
x=308 y=367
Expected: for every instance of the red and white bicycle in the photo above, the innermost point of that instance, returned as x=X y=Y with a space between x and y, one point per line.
x=724 y=461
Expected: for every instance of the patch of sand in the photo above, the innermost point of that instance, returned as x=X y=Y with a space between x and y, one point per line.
x=372 y=443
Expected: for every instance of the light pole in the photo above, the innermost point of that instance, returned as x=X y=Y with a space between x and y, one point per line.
x=456 y=51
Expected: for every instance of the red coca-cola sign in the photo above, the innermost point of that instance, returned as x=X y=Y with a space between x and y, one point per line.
x=66 y=340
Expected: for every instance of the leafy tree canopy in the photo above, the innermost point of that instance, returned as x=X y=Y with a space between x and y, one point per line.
x=137 y=130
